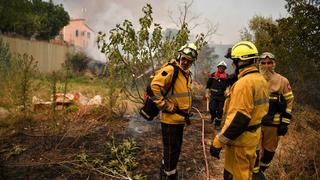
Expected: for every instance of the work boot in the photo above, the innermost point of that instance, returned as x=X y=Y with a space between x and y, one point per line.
x=164 y=176
x=174 y=176
x=258 y=176
x=217 y=123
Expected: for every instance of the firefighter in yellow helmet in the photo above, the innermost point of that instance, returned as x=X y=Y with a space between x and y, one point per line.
x=276 y=122
x=246 y=104
x=175 y=106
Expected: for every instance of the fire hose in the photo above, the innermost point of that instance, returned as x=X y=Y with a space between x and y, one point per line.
x=203 y=144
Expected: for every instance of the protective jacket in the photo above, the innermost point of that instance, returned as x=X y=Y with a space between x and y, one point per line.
x=217 y=84
x=180 y=95
x=281 y=101
x=246 y=103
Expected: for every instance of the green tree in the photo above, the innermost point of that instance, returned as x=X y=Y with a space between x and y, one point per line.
x=36 y=18
x=132 y=53
x=51 y=18
x=263 y=30
x=245 y=34
x=295 y=40
x=297 y=44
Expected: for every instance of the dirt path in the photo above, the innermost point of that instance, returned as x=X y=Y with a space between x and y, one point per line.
x=191 y=164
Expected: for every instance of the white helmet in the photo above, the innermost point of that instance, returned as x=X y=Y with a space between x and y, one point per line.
x=222 y=63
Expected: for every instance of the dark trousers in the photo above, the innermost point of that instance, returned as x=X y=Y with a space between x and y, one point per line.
x=216 y=108
x=172 y=136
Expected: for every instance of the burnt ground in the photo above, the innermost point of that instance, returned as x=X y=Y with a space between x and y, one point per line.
x=43 y=148
x=47 y=148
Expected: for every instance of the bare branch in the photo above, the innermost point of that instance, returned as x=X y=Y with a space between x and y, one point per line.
x=184 y=12
x=132 y=97
x=176 y=23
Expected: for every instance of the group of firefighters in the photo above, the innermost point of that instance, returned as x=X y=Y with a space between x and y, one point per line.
x=254 y=102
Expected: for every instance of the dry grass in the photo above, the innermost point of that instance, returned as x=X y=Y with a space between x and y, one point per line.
x=298 y=155
x=85 y=86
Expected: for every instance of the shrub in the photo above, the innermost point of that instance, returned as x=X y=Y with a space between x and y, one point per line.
x=77 y=61
x=21 y=74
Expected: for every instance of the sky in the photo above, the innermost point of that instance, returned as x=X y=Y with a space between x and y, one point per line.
x=228 y=16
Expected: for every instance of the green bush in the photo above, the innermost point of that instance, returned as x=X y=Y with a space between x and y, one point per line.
x=78 y=62
x=21 y=76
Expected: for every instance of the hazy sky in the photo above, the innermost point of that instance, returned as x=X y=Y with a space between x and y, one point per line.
x=229 y=15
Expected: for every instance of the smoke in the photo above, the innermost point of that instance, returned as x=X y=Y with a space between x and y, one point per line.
x=103 y=15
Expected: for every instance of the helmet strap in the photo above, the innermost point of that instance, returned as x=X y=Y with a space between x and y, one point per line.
x=236 y=63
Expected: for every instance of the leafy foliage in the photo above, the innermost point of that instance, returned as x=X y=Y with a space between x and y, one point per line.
x=77 y=61
x=36 y=18
x=21 y=75
x=263 y=29
x=295 y=40
x=16 y=81
x=132 y=54
x=245 y=35
x=118 y=160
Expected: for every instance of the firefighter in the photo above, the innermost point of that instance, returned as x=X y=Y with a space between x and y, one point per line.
x=275 y=123
x=216 y=85
x=246 y=104
x=172 y=122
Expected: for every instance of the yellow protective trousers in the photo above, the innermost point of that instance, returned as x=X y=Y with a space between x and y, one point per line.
x=269 y=138
x=267 y=147
x=239 y=161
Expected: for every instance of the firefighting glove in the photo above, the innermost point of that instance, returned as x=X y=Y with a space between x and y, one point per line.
x=215 y=152
x=170 y=107
x=283 y=129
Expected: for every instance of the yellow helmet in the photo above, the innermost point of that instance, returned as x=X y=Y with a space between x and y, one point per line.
x=190 y=51
x=244 y=50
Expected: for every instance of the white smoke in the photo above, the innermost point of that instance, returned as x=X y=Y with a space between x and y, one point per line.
x=103 y=15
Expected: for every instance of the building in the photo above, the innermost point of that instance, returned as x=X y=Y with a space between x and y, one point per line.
x=78 y=33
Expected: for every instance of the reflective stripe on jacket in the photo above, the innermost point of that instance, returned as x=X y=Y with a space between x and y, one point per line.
x=279 y=84
x=247 y=102
x=181 y=96
x=217 y=86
